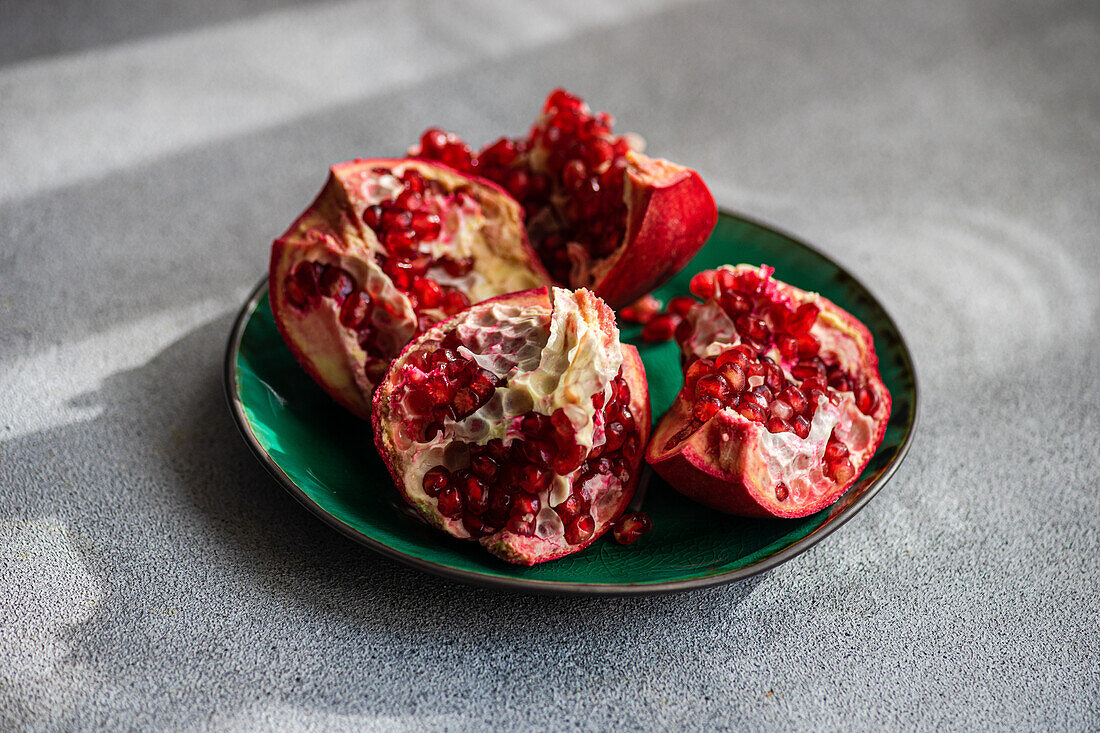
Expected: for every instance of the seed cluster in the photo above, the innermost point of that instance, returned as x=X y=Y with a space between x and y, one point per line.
x=507 y=483
x=568 y=151
x=410 y=217
x=746 y=379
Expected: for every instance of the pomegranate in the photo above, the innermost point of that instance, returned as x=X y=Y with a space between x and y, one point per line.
x=389 y=248
x=600 y=213
x=782 y=404
x=520 y=423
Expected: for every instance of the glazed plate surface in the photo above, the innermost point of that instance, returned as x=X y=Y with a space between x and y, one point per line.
x=325 y=457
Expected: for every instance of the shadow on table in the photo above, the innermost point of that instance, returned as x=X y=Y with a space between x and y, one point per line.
x=199 y=555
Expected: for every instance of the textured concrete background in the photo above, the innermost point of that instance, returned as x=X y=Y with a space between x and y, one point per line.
x=153 y=576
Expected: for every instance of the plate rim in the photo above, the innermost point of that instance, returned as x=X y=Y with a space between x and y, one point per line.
x=553 y=587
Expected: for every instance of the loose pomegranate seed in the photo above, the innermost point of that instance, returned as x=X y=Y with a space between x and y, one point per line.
x=642 y=310
x=629 y=527
x=580 y=529
x=680 y=305
x=661 y=328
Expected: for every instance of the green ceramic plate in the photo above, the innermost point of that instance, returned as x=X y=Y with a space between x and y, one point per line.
x=325 y=457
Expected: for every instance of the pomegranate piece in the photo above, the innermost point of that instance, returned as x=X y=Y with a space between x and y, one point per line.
x=601 y=214
x=760 y=428
x=389 y=248
x=630 y=527
x=544 y=452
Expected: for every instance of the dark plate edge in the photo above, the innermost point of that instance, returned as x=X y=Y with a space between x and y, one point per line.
x=230 y=384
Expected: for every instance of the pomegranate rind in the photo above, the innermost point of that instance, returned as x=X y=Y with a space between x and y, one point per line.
x=725 y=463
x=511 y=547
x=331 y=232
x=670 y=215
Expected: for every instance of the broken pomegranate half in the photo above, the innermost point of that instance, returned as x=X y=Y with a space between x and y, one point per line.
x=520 y=423
x=388 y=248
x=600 y=214
x=782 y=404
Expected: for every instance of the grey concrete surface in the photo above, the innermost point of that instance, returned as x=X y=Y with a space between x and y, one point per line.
x=152 y=576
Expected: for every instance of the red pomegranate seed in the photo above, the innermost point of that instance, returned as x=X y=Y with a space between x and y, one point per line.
x=866 y=400
x=428 y=293
x=393 y=218
x=435 y=480
x=776 y=425
x=753 y=329
x=781 y=492
x=706 y=408
x=426 y=226
x=574 y=173
x=835 y=450
x=712 y=385
x=454 y=301
x=483 y=466
x=842 y=471
x=535 y=425
x=355 y=311
x=680 y=305
x=450 y=502
x=561 y=423
x=533 y=479
x=803 y=319
x=457 y=268
x=782 y=410
x=697 y=370
x=475 y=494
x=805 y=370
x=580 y=529
x=526 y=504
x=615 y=434
x=522 y=524
x=788 y=346
x=432 y=141
x=703 y=285
x=808 y=346
x=372 y=216
x=568 y=459
x=629 y=527
x=737 y=355
x=301 y=286
x=572 y=506
x=800 y=426
x=793 y=396
x=736 y=304
x=727 y=281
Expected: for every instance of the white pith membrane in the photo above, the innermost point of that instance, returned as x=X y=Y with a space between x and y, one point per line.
x=548 y=359
x=469 y=230
x=796 y=462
